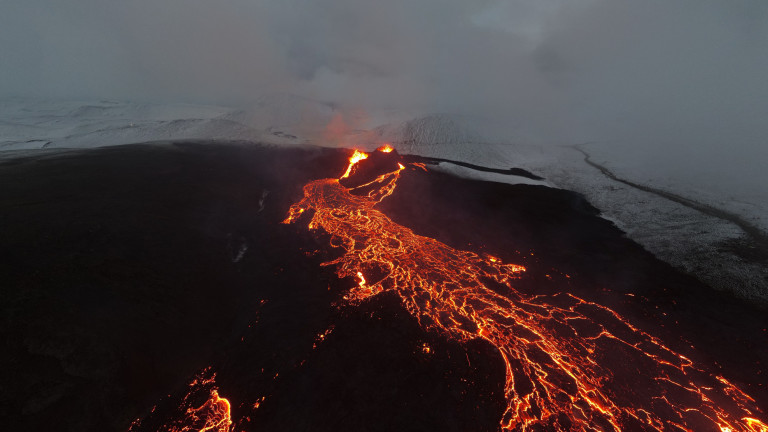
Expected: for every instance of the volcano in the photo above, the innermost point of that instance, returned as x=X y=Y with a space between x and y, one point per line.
x=238 y=287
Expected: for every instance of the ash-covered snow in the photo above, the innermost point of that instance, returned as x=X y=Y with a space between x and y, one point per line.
x=711 y=248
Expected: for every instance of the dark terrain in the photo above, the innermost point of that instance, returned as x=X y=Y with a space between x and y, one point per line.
x=126 y=270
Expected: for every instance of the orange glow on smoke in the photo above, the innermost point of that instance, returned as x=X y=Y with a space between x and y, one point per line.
x=336 y=130
x=560 y=351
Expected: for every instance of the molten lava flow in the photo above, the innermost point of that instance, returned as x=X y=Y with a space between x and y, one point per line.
x=201 y=410
x=570 y=364
x=213 y=416
x=356 y=157
x=386 y=148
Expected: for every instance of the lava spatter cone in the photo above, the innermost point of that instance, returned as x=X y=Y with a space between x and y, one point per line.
x=366 y=167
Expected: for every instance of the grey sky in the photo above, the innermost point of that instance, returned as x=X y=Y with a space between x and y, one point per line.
x=553 y=70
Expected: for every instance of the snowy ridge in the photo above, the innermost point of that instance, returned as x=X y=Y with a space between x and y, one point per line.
x=31 y=124
x=282 y=111
x=711 y=248
x=436 y=129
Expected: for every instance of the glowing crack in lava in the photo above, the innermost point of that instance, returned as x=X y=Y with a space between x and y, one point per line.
x=213 y=416
x=570 y=364
x=201 y=410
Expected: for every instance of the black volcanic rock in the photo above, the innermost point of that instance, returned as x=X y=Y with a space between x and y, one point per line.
x=118 y=275
x=126 y=270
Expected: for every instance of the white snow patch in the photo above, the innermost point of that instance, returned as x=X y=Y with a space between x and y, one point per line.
x=35 y=124
x=474 y=174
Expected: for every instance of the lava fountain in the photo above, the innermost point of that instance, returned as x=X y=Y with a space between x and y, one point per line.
x=570 y=364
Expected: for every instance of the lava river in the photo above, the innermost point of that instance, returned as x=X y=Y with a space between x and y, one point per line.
x=570 y=364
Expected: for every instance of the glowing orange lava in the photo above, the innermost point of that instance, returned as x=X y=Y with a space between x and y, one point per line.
x=386 y=148
x=212 y=415
x=356 y=157
x=570 y=364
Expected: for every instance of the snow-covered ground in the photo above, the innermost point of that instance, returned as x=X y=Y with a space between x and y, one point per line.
x=34 y=124
x=727 y=177
x=711 y=248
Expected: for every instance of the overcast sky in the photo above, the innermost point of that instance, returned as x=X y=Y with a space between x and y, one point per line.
x=573 y=70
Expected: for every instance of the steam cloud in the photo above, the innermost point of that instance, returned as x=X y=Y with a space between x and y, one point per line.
x=650 y=73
